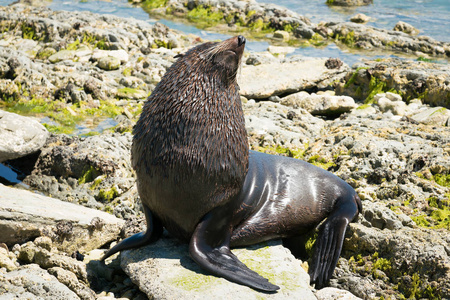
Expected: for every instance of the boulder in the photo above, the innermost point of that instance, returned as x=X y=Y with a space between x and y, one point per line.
x=406 y=28
x=20 y=136
x=25 y=215
x=164 y=270
x=324 y=105
x=293 y=75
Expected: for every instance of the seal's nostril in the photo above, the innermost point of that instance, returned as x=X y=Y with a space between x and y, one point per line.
x=241 y=40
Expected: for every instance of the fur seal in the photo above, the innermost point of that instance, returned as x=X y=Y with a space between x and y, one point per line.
x=197 y=178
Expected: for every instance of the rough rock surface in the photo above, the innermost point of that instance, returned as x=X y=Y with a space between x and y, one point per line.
x=320 y=104
x=148 y=267
x=25 y=215
x=410 y=79
x=31 y=282
x=19 y=136
x=293 y=75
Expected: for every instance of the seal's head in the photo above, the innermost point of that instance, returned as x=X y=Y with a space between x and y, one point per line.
x=217 y=59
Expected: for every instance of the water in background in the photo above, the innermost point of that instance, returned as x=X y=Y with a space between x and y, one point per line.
x=431 y=17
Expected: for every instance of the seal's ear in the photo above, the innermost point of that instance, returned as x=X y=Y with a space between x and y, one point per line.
x=179 y=55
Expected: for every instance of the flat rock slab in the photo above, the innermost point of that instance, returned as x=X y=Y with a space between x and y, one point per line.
x=19 y=136
x=265 y=80
x=25 y=215
x=164 y=270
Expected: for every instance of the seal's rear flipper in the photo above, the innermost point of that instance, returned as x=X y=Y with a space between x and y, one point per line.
x=209 y=247
x=153 y=233
x=330 y=239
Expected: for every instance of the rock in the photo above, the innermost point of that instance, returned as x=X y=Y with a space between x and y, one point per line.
x=281 y=35
x=25 y=215
x=121 y=55
x=31 y=282
x=360 y=18
x=397 y=107
x=349 y=2
x=134 y=94
x=70 y=280
x=164 y=270
x=62 y=55
x=292 y=76
x=6 y=261
x=276 y=50
x=410 y=79
x=333 y=63
x=437 y=116
x=330 y=293
x=406 y=28
x=20 y=136
x=109 y=63
x=367 y=37
x=272 y=124
x=324 y=105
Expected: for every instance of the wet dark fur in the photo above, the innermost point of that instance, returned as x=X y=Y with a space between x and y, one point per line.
x=191 y=138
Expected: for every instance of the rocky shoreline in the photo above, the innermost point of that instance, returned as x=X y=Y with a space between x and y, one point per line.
x=383 y=126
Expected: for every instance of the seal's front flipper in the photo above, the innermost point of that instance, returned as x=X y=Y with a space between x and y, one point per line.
x=153 y=233
x=209 y=247
x=330 y=239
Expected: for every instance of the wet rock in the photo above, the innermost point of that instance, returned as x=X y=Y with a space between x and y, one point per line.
x=295 y=74
x=30 y=282
x=333 y=63
x=349 y=2
x=25 y=215
x=367 y=37
x=168 y=272
x=323 y=105
x=406 y=28
x=360 y=18
x=20 y=136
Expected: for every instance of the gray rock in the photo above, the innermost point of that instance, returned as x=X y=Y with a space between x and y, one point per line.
x=360 y=18
x=397 y=107
x=437 y=116
x=164 y=270
x=25 y=215
x=272 y=124
x=20 y=136
x=109 y=63
x=330 y=293
x=406 y=28
x=62 y=55
x=291 y=77
x=324 y=105
x=71 y=281
x=31 y=282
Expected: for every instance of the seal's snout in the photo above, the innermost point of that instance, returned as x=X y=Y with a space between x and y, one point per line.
x=241 y=40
